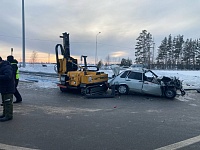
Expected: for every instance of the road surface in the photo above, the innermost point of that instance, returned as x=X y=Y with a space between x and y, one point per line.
x=48 y=119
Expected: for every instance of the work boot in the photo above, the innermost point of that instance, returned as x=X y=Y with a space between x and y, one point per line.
x=2 y=116
x=17 y=101
x=5 y=119
x=8 y=111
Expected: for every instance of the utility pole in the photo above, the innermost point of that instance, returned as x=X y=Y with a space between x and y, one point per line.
x=96 y=57
x=49 y=58
x=23 y=36
x=153 y=52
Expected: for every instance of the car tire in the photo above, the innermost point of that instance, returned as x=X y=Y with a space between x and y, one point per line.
x=170 y=93
x=123 y=89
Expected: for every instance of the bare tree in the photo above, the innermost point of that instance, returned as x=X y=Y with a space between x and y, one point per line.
x=33 y=57
x=108 y=60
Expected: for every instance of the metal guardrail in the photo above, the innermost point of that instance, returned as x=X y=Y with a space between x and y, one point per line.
x=42 y=74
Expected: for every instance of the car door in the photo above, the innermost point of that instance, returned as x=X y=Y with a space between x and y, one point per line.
x=120 y=79
x=151 y=85
x=134 y=81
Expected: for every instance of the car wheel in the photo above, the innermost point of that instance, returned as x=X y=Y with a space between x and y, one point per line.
x=170 y=93
x=123 y=89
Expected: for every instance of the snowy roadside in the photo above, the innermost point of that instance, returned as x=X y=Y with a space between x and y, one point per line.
x=191 y=79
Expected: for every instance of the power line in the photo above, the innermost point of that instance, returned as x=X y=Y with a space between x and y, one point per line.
x=17 y=37
x=115 y=46
x=11 y=36
x=76 y=42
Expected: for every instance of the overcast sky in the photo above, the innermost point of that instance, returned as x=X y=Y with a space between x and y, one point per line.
x=119 y=21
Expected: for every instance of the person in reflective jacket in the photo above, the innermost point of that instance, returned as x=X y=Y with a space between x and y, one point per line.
x=7 y=89
x=14 y=63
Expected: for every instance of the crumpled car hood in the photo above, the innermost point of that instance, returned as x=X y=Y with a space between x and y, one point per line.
x=170 y=81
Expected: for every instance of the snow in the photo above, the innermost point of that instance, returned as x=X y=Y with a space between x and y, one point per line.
x=191 y=79
x=39 y=68
x=43 y=82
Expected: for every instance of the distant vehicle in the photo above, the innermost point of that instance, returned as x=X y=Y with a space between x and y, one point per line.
x=44 y=65
x=141 y=80
x=124 y=67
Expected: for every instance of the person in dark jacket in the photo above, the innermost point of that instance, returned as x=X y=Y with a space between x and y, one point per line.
x=7 y=89
x=14 y=63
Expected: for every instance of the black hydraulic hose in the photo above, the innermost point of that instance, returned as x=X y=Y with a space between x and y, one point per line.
x=57 y=58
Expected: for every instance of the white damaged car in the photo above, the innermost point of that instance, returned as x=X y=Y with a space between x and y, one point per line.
x=142 y=80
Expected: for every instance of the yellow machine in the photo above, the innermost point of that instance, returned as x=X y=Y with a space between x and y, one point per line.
x=73 y=76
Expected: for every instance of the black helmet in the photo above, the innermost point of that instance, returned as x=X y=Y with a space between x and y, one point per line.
x=10 y=58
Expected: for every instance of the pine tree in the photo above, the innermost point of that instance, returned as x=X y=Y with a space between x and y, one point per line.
x=169 y=52
x=126 y=62
x=178 y=49
x=186 y=53
x=162 y=52
x=100 y=64
x=197 y=55
x=143 y=48
x=192 y=54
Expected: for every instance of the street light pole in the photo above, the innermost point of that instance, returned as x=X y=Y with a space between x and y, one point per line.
x=11 y=51
x=23 y=35
x=96 y=49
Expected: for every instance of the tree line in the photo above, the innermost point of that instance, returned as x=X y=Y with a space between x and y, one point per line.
x=173 y=52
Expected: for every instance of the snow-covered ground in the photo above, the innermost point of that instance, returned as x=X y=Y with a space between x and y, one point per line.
x=191 y=79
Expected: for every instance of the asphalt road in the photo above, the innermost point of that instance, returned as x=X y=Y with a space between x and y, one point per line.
x=50 y=120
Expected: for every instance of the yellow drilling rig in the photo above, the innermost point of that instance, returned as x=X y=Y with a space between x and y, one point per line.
x=73 y=76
